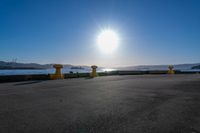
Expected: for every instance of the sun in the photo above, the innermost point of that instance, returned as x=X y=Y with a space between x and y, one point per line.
x=108 y=41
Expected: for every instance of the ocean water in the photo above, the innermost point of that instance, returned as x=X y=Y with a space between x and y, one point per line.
x=50 y=71
x=42 y=71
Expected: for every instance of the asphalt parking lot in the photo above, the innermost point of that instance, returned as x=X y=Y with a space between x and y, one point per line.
x=110 y=104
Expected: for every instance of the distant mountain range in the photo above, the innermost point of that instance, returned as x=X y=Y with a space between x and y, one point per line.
x=162 y=67
x=196 y=67
x=12 y=65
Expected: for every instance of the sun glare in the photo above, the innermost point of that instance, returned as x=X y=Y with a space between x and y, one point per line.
x=108 y=41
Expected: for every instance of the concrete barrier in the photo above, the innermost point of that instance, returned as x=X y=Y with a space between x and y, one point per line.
x=76 y=75
x=16 y=78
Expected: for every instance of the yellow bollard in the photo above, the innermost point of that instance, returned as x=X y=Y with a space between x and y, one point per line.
x=58 y=74
x=94 y=71
x=171 y=71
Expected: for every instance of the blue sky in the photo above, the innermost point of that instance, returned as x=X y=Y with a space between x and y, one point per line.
x=65 y=31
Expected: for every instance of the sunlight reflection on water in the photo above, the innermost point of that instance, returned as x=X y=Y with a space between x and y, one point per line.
x=108 y=69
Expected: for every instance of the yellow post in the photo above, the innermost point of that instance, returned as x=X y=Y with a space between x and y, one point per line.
x=94 y=71
x=58 y=74
x=171 y=71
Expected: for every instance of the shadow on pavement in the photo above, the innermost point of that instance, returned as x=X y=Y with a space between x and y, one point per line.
x=30 y=82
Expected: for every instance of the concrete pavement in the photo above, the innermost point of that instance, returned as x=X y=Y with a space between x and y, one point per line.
x=110 y=104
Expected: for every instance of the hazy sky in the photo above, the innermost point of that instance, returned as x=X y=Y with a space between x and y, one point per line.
x=65 y=31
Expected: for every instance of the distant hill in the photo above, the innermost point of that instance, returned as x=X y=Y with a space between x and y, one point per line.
x=12 y=65
x=196 y=67
x=161 y=67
